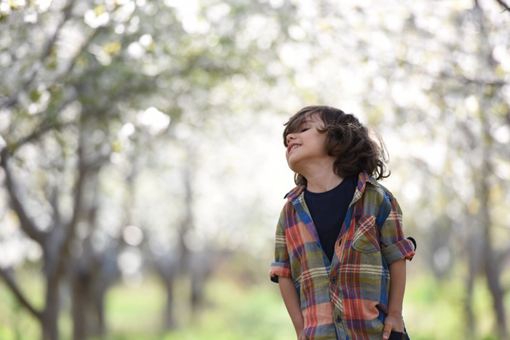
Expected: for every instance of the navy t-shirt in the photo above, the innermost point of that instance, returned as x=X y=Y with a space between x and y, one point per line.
x=328 y=211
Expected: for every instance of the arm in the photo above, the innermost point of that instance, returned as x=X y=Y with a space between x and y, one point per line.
x=394 y=320
x=280 y=273
x=291 y=300
x=396 y=249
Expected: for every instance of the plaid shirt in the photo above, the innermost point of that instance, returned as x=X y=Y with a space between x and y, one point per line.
x=347 y=298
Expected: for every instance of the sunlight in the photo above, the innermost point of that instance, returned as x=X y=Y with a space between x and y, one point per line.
x=96 y=17
x=133 y=235
x=43 y=5
x=154 y=120
x=188 y=12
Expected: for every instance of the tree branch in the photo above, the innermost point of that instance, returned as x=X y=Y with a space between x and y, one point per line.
x=54 y=198
x=13 y=286
x=45 y=127
x=455 y=77
x=78 y=196
x=26 y=222
x=46 y=52
x=67 y=10
x=504 y=5
x=74 y=60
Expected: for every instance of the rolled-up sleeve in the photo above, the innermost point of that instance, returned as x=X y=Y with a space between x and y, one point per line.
x=394 y=245
x=281 y=264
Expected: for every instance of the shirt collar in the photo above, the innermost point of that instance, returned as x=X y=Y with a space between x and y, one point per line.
x=294 y=193
x=363 y=179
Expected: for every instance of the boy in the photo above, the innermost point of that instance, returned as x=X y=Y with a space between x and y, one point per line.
x=339 y=238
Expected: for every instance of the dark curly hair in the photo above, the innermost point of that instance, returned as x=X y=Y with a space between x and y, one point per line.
x=347 y=140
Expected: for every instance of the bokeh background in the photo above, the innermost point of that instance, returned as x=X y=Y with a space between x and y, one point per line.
x=143 y=171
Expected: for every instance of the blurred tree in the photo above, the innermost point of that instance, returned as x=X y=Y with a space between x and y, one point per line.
x=466 y=83
x=202 y=51
x=55 y=95
x=503 y=5
x=100 y=64
x=492 y=103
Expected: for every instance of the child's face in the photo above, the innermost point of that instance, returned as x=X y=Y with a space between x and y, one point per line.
x=306 y=144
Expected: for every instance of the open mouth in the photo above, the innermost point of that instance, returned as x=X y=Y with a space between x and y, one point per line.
x=292 y=147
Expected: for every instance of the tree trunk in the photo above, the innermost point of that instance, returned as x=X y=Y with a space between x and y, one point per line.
x=89 y=277
x=99 y=314
x=87 y=307
x=473 y=256
x=200 y=271
x=169 y=319
x=167 y=268
x=491 y=269
x=79 y=305
x=49 y=321
x=197 y=293
x=491 y=266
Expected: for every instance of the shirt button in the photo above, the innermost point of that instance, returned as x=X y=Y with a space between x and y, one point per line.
x=333 y=280
x=338 y=319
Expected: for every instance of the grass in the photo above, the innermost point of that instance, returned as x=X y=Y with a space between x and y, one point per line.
x=231 y=313
x=235 y=310
x=435 y=309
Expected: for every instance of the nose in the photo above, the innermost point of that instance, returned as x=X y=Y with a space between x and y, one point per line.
x=289 y=137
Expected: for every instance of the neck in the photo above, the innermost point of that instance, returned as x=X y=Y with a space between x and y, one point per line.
x=320 y=176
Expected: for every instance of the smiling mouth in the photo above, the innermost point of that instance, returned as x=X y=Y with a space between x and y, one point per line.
x=292 y=147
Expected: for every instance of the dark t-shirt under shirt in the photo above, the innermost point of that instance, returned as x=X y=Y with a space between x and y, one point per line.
x=328 y=211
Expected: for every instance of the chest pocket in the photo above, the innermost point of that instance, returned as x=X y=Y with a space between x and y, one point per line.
x=366 y=239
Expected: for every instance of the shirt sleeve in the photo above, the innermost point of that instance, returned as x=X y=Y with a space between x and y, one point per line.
x=281 y=264
x=394 y=245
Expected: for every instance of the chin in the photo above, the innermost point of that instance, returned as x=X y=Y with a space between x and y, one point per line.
x=292 y=165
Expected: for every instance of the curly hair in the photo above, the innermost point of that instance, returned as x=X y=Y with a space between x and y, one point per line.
x=347 y=140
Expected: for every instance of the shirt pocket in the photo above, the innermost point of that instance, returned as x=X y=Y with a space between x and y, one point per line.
x=365 y=238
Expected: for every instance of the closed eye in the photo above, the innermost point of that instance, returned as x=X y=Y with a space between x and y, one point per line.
x=304 y=129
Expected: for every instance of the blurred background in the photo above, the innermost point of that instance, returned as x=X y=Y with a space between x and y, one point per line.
x=143 y=170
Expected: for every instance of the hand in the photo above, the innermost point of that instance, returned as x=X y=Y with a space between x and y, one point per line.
x=301 y=335
x=393 y=322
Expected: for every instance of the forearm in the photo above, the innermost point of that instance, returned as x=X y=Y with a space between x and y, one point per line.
x=397 y=287
x=291 y=300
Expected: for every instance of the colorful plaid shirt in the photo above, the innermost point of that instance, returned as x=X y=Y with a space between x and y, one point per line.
x=347 y=298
